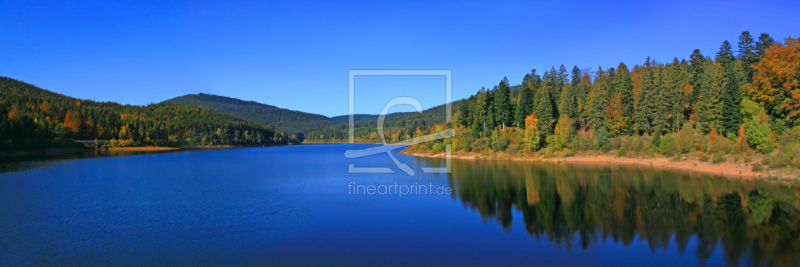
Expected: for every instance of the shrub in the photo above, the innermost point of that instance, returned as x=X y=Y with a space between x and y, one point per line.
x=584 y=143
x=780 y=160
x=796 y=162
x=718 y=158
x=667 y=146
x=758 y=167
x=622 y=152
x=684 y=140
x=638 y=144
x=704 y=158
x=480 y=145
x=422 y=148
x=601 y=140
x=438 y=148
x=569 y=153
x=767 y=160
x=464 y=146
x=748 y=160
x=656 y=141
x=767 y=147
x=512 y=149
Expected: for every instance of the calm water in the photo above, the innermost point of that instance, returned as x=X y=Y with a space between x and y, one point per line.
x=297 y=205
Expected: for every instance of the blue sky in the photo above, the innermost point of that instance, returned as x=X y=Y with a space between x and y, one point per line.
x=297 y=55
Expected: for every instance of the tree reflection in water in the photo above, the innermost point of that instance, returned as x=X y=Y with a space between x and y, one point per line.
x=589 y=204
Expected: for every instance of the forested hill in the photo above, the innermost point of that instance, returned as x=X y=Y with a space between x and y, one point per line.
x=285 y=119
x=35 y=118
x=396 y=128
x=364 y=117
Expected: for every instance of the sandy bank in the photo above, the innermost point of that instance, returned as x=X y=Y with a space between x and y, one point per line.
x=727 y=169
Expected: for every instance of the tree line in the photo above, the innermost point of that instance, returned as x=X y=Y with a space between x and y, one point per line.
x=35 y=118
x=746 y=97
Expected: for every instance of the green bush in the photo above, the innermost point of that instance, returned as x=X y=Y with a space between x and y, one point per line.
x=656 y=141
x=500 y=143
x=767 y=147
x=480 y=145
x=684 y=140
x=767 y=160
x=718 y=158
x=780 y=160
x=438 y=148
x=668 y=147
x=601 y=139
x=464 y=145
x=758 y=167
x=622 y=152
x=638 y=144
x=704 y=158
x=748 y=160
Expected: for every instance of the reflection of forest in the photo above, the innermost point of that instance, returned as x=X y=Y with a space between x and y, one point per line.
x=745 y=217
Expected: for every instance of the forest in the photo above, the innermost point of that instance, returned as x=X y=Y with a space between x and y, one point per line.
x=291 y=121
x=738 y=100
x=36 y=119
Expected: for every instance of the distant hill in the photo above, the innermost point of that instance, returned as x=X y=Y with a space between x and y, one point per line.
x=365 y=117
x=32 y=118
x=285 y=119
x=408 y=121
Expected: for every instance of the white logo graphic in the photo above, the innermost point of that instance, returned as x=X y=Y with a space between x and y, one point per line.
x=387 y=148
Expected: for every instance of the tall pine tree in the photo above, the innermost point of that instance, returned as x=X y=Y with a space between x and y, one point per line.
x=544 y=110
x=624 y=86
x=747 y=54
x=731 y=94
x=710 y=103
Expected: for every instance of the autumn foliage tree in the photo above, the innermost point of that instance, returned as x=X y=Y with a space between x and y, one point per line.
x=776 y=79
x=532 y=132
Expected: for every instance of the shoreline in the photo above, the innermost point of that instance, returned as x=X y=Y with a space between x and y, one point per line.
x=726 y=169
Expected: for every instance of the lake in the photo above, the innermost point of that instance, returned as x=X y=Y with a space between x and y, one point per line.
x=299 y=205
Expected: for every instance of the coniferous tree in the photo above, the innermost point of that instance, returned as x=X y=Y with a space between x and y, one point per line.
x=522 y=108
x=678 y=80
x=598 y=101
x=624 y=86
x=581 y=91
x=763 y=43
x=697 y=66
x=644 y=100
x=567 y=106
x=660 y=103
x=747 y=54
x=576 y=76
x=544 y=110
x=710 y=105
x=731 y=94
x=502 y=104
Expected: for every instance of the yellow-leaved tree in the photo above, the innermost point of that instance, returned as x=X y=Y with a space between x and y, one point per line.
x=531 y=133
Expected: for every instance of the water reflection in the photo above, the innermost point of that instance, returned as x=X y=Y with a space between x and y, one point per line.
x=753 y=222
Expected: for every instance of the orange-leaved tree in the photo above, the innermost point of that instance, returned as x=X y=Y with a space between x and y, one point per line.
x=778 y=75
